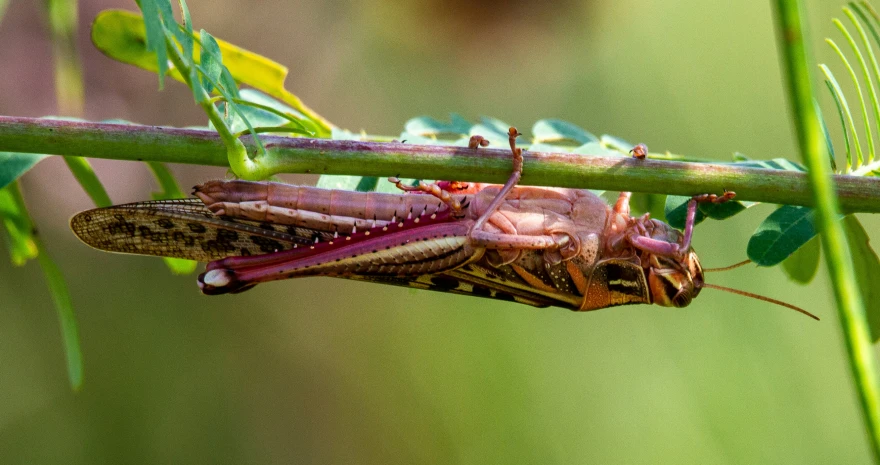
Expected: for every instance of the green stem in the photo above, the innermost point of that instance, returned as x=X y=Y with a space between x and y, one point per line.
x=323 y=156
x=812 y=143
x=60 y=294
x=85 y=175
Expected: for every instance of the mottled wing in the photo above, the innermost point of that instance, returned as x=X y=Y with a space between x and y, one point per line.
x=480 y=279
x=182 y=228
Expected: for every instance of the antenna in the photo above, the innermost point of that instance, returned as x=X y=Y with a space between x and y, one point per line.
x=726 y=268
x=760 y=297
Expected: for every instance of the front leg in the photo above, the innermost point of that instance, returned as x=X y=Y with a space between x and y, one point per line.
x=671 y=249
x=479 y=237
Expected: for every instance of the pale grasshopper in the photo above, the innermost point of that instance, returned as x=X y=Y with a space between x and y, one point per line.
x=534 y=245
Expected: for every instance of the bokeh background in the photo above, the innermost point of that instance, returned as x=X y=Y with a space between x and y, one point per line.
x=330 y=371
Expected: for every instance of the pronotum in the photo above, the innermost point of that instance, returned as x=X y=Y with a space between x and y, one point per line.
x=534 y=245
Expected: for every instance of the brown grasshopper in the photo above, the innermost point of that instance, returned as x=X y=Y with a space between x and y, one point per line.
x=534 y=245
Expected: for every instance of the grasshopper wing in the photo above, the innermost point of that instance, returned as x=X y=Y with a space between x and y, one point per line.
x=182 y=228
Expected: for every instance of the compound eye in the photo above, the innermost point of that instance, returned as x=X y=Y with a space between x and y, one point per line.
x=670 y=290
x=682 y=298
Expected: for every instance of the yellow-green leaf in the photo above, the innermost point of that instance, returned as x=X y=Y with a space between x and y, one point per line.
x=121 y=35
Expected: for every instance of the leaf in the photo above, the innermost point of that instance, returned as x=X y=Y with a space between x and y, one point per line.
x=66 y=318
x=802 y=265
x=180 y=266
x=649 y=203
x=549 y=148
x=121 y=34
x=24 y=246
x=867 y=269
x=842 y=125
x=676 y=211
x=13 y=165
x=827 y=135
x=210 y=59
x=427 y=126
x=616 y=143
x=347 y=183
x=494 y=130
x=723 y=211
x=260 y=117
x=781 y=234
x=152 y=37
x=391 y=188
x=840 y=100
x=88 y=180
x=17 y=225
x=774 y=164
x=556 y=131
x=185 y=37
x=595 y=149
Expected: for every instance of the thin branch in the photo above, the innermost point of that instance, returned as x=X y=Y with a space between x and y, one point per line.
x=324 y=156
x=854 y=326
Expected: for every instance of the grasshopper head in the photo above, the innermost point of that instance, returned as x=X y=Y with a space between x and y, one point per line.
x=675 y=283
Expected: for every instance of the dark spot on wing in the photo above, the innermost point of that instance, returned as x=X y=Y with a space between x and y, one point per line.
x=444 y=283
x=196 y=227
x=165 y=223
x=482 y=291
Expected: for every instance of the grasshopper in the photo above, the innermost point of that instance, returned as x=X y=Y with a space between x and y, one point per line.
x=533 y=245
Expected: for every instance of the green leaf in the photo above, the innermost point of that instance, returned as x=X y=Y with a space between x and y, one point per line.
x=866 y=75
x=802 y=265
x=843 y=126
x=261 y=117
x=723 y=211
x=493 y=130
x=180 y=266
x=867 y=268
x=88 y=180
x=774 y=164
x=185 y=37
x=17 y=226
x=155 y=36
x=616 y=143
x=347 y=183
x=13 y=165
x=410 y=138
x=596 y=149
x=550 y=148
x=210 y=59
x=852 y=74
x=24 y=246
x=676 y=211
x=556 y=131
x=391 y=188
x=427 y=126
x=121 y=35
x=827 y=137
x=649 y=203
x=781 y=234
x=66 y=317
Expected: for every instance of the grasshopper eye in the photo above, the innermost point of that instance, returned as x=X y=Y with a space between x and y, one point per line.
x=670 y=288
x=683 y=298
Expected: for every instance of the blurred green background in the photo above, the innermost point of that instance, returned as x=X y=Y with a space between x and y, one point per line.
x=330 y=371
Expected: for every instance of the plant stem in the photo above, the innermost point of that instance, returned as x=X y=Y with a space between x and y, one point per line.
x=324 y=156
x=812 y=143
